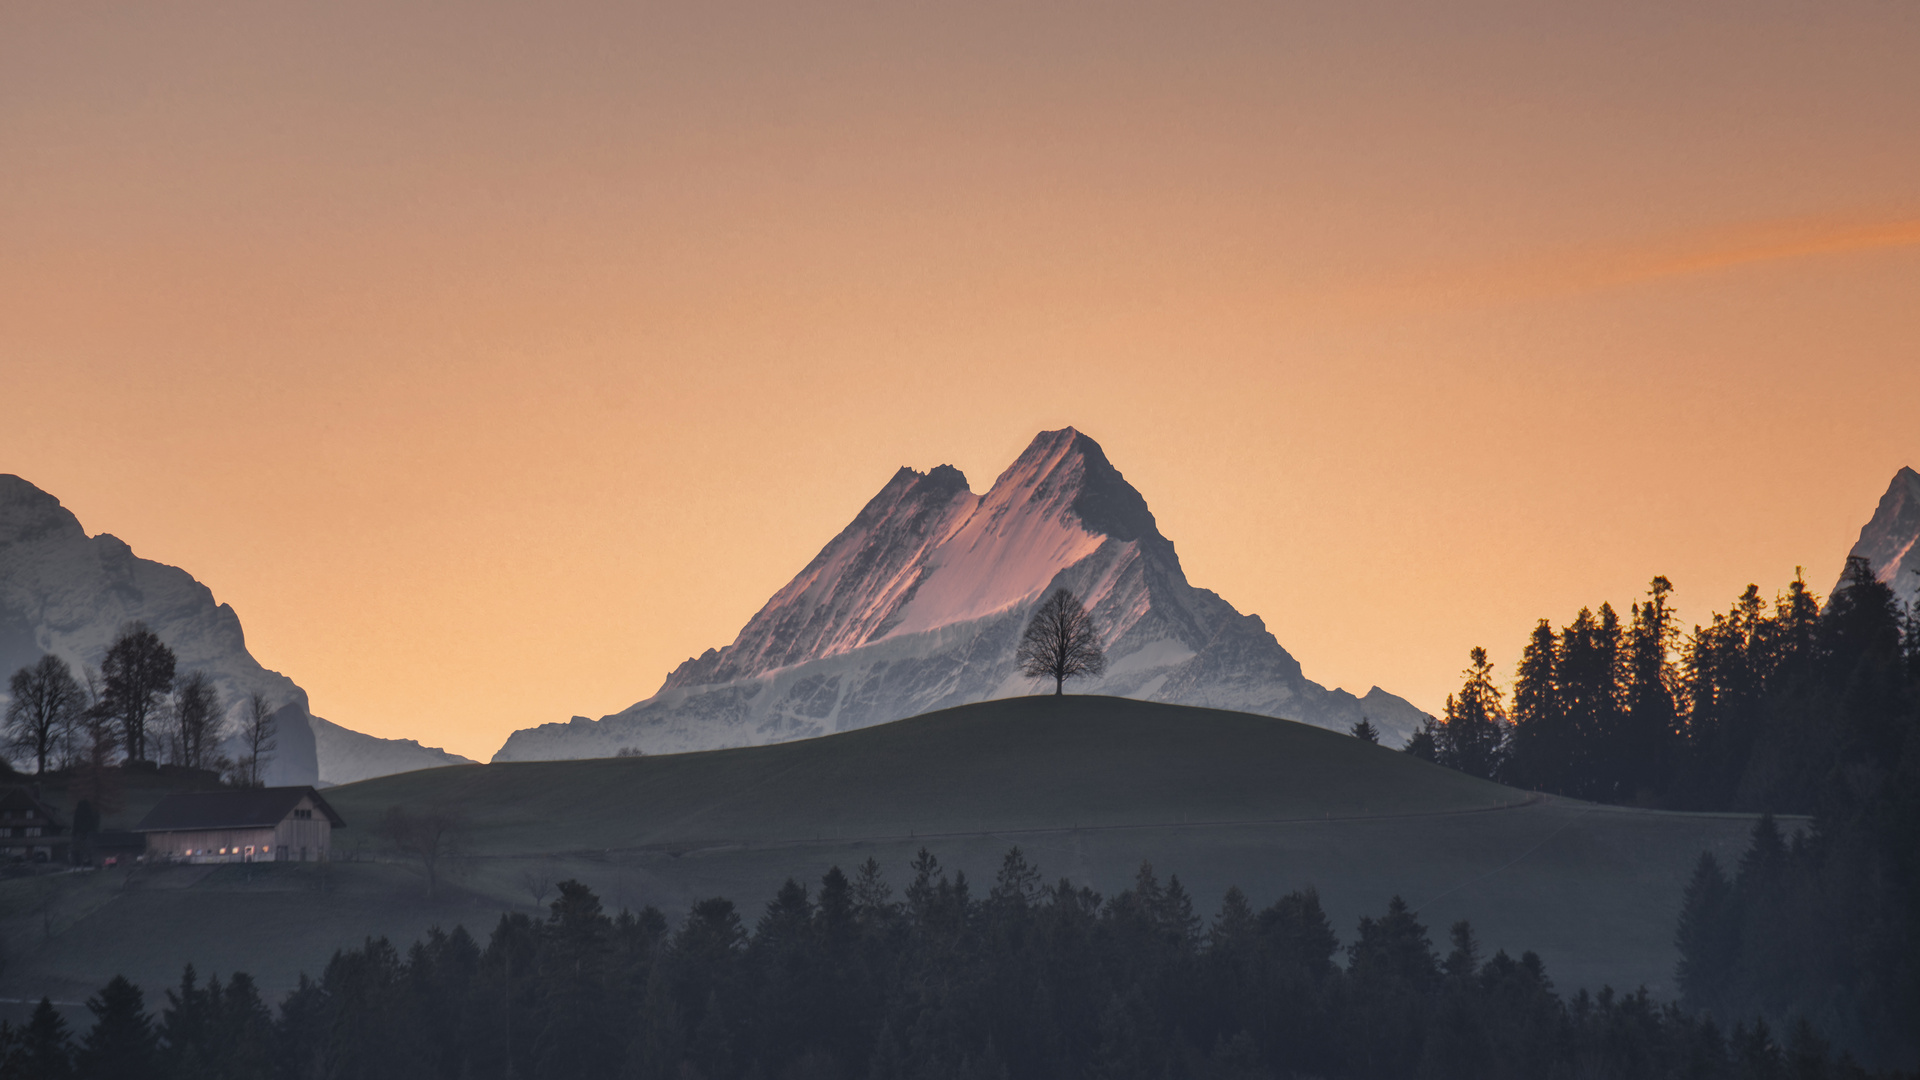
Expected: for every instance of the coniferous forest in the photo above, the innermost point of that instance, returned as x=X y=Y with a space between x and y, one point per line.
x=1792 y=707
x=848 y=980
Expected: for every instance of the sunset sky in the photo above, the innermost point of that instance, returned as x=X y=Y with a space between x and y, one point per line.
x=492 y=359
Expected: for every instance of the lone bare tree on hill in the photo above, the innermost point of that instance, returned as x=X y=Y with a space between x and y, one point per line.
x=1061 y=642
x=430 y=836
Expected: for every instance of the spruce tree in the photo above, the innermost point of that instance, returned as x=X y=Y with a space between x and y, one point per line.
x=121 y=1045
x=1424 y=743
x=1464 y=960
x=1473 y=736
x=1541 y=742
x=1708 y=936
x=1589 y=669
x=1647 y=725
x=45 y=1050
x=1796 y=618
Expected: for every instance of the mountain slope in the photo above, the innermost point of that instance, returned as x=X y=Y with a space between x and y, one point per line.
x=66 y=593
x=918 y=605
x=1890 y=542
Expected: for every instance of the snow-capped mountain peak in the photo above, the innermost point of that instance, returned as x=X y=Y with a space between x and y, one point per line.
x=1890 y=542
x=919 y=602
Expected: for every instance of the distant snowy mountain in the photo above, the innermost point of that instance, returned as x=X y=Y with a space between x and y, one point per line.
x=1891 y=541
x=919 y=604
x=64 y=592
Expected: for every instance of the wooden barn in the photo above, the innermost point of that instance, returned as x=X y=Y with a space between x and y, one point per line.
x=30 y=831
x=284 y=824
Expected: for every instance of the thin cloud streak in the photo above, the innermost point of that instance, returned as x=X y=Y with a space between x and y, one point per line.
x=1744 y=245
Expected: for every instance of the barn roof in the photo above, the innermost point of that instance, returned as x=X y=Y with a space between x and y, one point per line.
x=19 y=798
x=246 y=808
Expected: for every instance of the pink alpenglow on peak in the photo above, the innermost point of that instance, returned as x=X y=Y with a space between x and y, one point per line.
x=1890 y=542
x=918 y=604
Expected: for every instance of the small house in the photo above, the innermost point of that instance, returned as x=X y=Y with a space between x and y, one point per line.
x=30 y=831
x=280 y=824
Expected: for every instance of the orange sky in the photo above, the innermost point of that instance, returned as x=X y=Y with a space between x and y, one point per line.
x=492 y=359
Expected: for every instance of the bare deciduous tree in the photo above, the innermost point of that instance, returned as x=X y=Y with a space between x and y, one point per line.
x=1061 y=642
x=258 y=740
x=136 y=674
x=538 y=885
x=430 y=836
x=94 y=743
x=46 y=705
x=196 y=720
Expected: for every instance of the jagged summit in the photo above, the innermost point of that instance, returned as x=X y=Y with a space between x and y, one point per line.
x=27 y=513
x=1890 y=542
x=919 y=602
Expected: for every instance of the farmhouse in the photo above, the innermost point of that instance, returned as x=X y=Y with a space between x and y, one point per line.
x=284 y=824
x=29 y=829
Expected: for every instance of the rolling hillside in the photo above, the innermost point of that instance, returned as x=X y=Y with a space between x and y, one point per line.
x=1088 y=786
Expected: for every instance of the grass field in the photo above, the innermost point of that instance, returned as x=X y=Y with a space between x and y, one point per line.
x=1089 y=787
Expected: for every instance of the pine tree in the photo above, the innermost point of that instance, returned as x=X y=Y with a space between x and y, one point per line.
x=1235 y=926
x=1648 y=724
x=1018 y=884
x=1424 y=743
x=1588 y=666
x=1765 y=859
x=1464 y=960
x=121 y=1045
x=1473 y=736
x=1541 y=742
x=186 y=1026
x=1708 y=936
x=1297 y=933
x=1796 y=618
x=45 y=1051
x=1394 y=946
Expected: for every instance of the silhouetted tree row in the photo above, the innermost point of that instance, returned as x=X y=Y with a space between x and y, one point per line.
x=1027 y=980
x=136 y=704
x=1786 y=707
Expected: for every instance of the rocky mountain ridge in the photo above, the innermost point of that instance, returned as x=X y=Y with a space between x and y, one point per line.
x=918 y=605
x=1890 y=540
x=64 y=592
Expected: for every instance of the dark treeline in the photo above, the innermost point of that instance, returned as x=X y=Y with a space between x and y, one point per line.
x=137 y=709
x=1788 y=707
x=846 y=982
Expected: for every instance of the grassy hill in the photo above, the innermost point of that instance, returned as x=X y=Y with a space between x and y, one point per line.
x=1089 y=787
